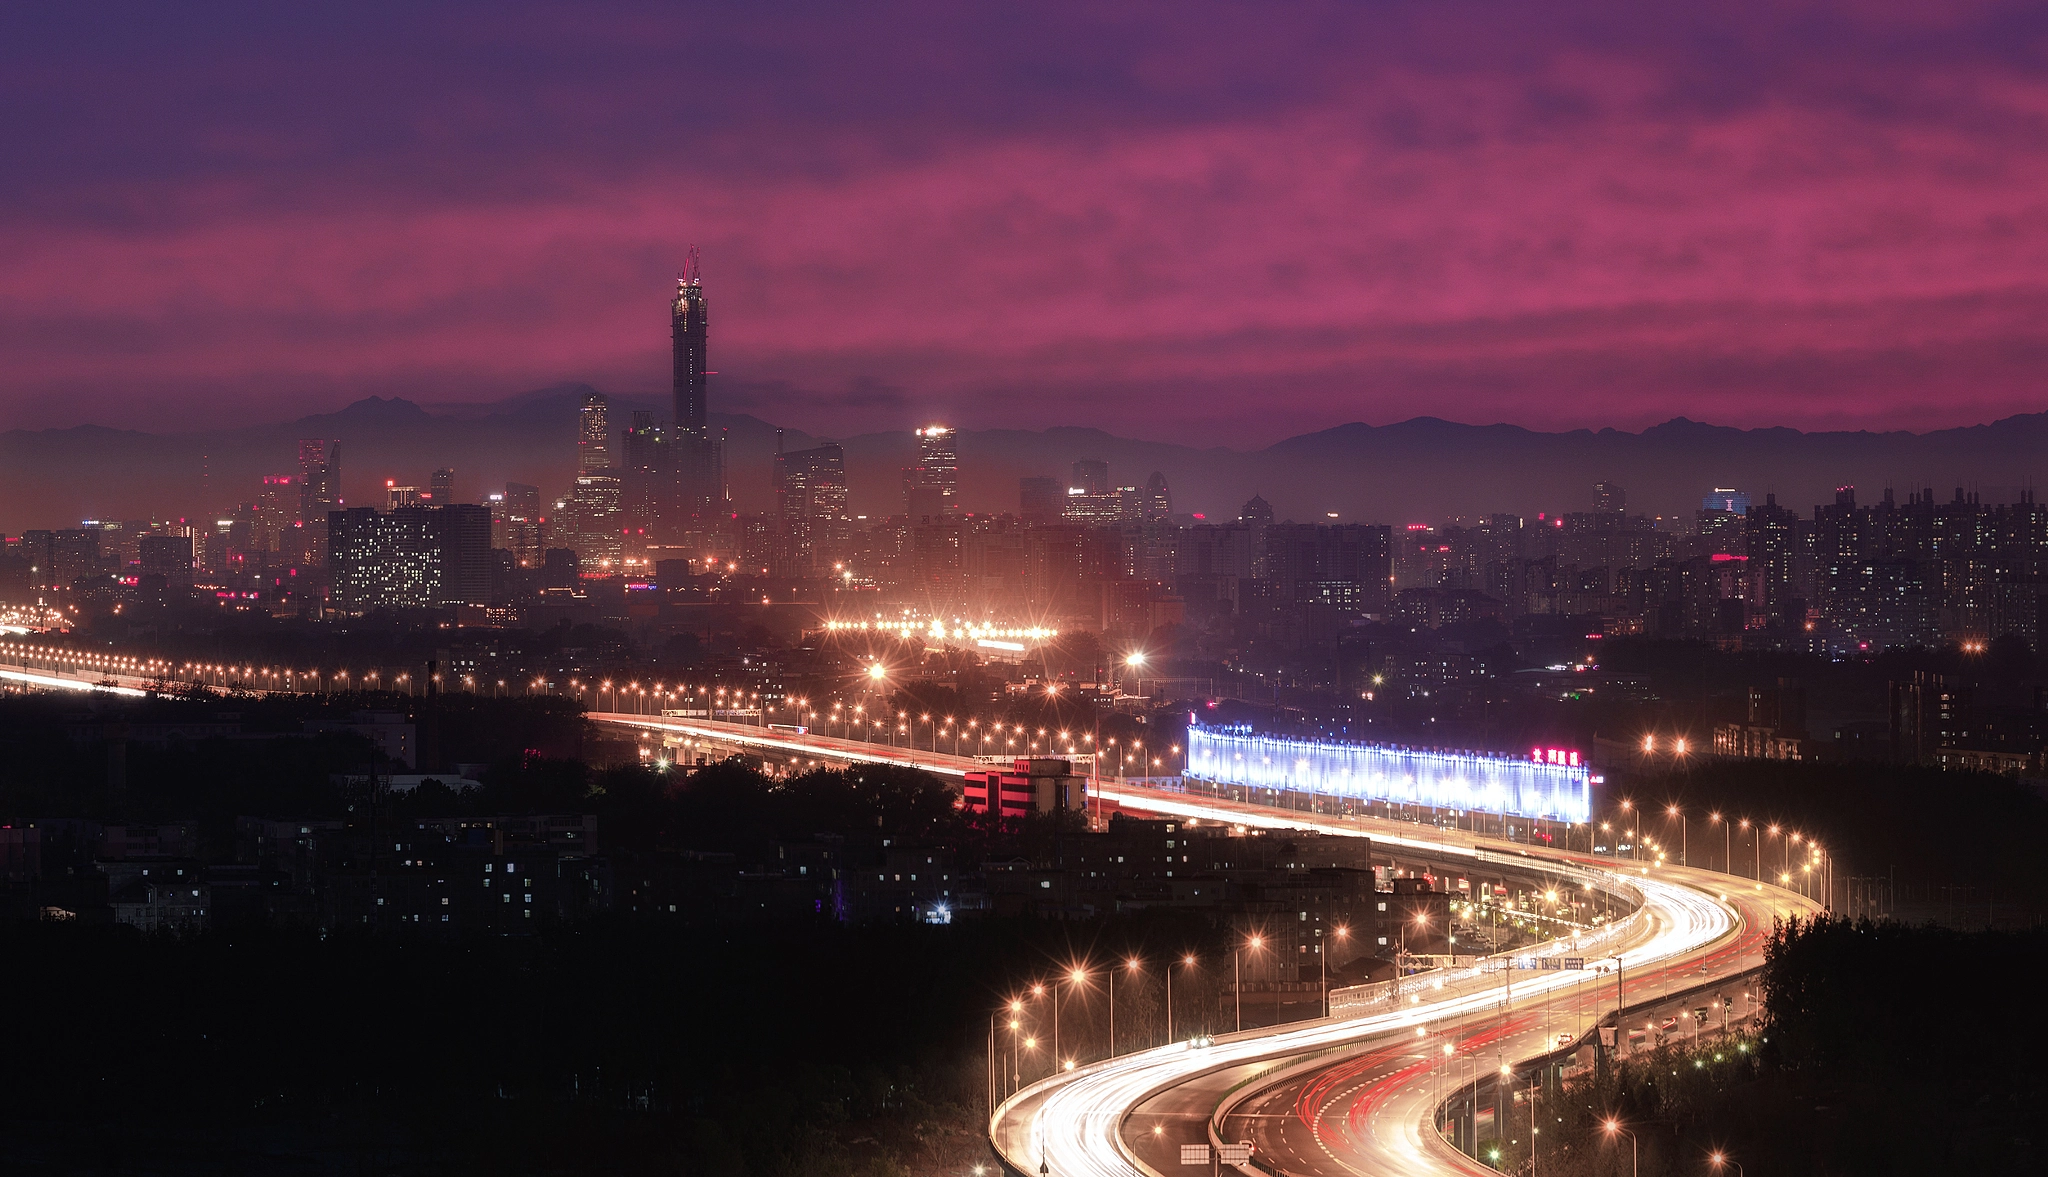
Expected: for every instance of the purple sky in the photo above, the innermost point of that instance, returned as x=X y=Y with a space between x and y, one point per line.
x=1198 y=222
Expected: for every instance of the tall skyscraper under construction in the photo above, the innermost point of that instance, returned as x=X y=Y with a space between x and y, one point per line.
x=698 y=457
x=692 y=375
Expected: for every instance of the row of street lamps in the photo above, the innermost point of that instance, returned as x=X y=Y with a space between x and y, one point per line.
x=1718 y=1158
x=633 y=696
x=1803 y=879
x=1079 y=975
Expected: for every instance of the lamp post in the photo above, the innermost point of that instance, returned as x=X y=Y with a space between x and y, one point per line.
x=1341 y=932
x=1188 y=961
x=1039 y=991
x=1613 y=1126
x=1721 y=1160
x=1421 y=920
x=1684 y=841
x=1077 y=976
x=1132 y=965
x=1620 y=1004
x=1255 y=943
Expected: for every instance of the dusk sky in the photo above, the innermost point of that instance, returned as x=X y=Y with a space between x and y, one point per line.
x=1205 y=223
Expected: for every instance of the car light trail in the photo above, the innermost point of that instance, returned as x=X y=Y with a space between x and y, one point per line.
x=68 y=684
x=1073 y=1122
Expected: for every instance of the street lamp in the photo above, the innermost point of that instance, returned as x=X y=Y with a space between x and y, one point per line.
x=1254 y=944
x=1341 y=932
x=1077 y=976
x=1421 y=920
x=1684 y=839
x=1132 y=965
x=1720 y=1160
x=1613 y=1126
x=1187 y=961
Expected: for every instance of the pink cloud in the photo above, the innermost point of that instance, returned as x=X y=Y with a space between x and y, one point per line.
x=1415 y=241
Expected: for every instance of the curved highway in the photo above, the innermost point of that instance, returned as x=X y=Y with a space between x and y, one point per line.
x=1371 y=1110
x=1358 y=1096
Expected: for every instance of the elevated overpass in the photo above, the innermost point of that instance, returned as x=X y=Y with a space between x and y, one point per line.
x=782 y=747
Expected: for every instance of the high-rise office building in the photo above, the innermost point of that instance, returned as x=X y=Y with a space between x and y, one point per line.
x=1091 y=499
x=931 y=488
x=396 y=496
x=1040 y=499
x=168 y=556
x=319 y=478
x=598 y=507
x=593 y=433
x=275 y=512
x=810 y=498
x=1772 y=544
x=647 y=477
x=644 y=443
x=59 y=558
x=1091 y=476
x=516 y=523
x=1158 y=501
x=441 y=487
x=1609 y=499
x=319 y=492
x=409 y=558
x=1349 y=565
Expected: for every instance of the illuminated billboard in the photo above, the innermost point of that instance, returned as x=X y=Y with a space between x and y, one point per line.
x=1551 y=784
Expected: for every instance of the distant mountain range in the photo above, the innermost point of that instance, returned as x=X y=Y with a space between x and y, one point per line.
x=1422 y=470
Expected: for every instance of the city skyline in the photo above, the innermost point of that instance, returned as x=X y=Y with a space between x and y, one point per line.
x=1317 y=589
x=56 y=478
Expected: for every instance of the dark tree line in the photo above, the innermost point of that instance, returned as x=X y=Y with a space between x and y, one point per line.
x=1886 y=1049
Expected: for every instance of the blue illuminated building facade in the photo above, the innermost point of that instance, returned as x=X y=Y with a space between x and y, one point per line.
x=1547 y=785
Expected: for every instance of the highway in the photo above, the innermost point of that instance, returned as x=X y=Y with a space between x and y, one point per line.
x=1361 y=1112
x=789 y=746
x=1368 y=1104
